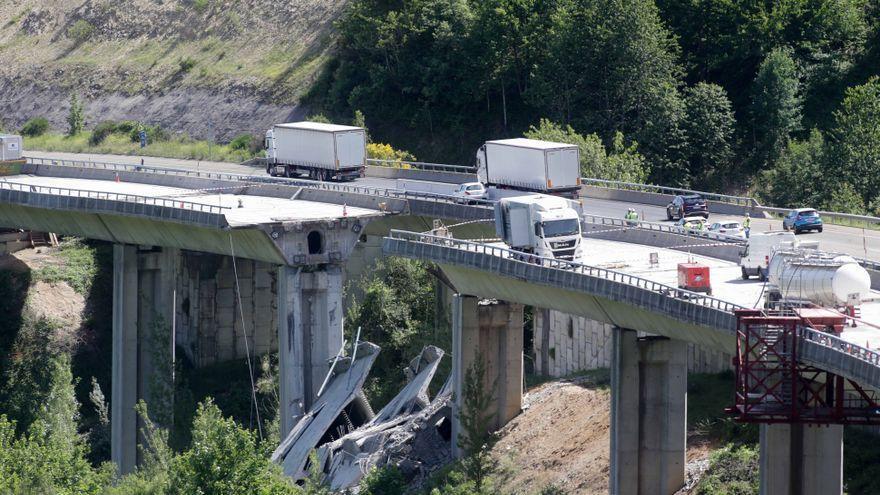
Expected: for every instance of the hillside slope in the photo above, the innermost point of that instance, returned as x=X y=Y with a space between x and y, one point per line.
x=193 y=66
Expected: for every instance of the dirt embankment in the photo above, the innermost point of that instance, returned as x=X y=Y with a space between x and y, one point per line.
x=56 y=300
x=563 y=439
x=203 y=67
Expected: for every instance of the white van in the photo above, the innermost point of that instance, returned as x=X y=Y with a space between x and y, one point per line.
x=756 y=258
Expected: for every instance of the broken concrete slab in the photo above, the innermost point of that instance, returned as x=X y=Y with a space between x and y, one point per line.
x=342 y=389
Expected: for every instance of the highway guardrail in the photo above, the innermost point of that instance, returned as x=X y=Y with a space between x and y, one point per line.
x=109 y=196
x=257 y=179
x=427 y=166
x=568 y=266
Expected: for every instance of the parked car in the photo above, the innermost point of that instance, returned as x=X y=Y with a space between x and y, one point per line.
x=470 y=191
x=802 y=219
x=692 y=223
x=728 y=228
x=687 y=206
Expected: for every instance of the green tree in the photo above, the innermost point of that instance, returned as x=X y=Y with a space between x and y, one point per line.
x=384 y=481
x=710 y=127
x=624 y=163
x=776 y=107
x=611 y=66
x=75 y=117
x=51 y=456
x=797 y=179
x=845 y=199
x=855 y=140
x=225 y=458
x=475 y=438
x=394 y=307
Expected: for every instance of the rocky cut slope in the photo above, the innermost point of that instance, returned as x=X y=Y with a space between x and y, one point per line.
x=197 y=66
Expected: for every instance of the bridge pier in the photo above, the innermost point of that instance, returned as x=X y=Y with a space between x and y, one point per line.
x=144 y=283
x=799 y=459
x=648 y=414
x=310 y=310
x=493 y=332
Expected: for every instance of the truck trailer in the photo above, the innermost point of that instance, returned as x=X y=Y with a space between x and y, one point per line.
x=542 y=225
x=530 y=165
x=320 y=151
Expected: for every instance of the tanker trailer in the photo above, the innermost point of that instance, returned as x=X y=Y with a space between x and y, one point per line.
x=825 y=280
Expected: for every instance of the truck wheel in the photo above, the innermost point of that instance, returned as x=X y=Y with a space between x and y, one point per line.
x=820 y=230
x=287 y=171
x=745 y=273
x=668 y=215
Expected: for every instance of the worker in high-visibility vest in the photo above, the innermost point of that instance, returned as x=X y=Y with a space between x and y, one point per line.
x=747 y=225
x=631 y=216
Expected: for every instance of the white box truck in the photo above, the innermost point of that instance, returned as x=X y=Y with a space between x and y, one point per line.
x=321 y=151
x=10 y=147
x=546 y=226
x=530 y=165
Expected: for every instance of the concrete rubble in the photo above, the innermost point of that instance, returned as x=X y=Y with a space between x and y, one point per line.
x=411 y=432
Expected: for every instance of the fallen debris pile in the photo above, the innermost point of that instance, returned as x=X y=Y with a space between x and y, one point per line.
x=412 y=432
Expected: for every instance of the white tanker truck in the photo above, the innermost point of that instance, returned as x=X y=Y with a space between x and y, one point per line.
x=825 y=279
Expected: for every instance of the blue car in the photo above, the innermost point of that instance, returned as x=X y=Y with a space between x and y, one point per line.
x=802 y=219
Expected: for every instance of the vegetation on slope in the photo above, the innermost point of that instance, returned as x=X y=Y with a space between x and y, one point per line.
x=716 y=95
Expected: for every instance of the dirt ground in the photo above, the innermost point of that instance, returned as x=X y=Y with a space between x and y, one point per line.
x=545 y=445
x=56 y=301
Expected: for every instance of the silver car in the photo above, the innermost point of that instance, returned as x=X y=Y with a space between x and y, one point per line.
x=728 y=228
x=470 y=191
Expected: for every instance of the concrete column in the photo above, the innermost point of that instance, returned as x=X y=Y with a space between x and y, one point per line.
x=310 y=322
x=144 y=292
x=491 y=331
x=648 y=414
x=123 y=419
x=801 y=459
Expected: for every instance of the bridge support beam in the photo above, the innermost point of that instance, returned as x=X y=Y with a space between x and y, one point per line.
x=491 y=331
x=648 y=414
x=144 y=293
x=799 y=459
x=310 y=317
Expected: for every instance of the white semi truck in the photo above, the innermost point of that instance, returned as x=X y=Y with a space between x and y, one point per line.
x=530 y=165
x=321 y=151
x=541 y=225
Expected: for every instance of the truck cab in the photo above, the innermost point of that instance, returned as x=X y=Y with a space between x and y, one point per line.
x=542 y=225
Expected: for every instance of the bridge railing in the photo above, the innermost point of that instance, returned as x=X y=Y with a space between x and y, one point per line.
x=660 y=227
x=568 y=266
x=110 y=196
x=672 y=191
x=427 y=166
x=836 y=343
x=329 y=186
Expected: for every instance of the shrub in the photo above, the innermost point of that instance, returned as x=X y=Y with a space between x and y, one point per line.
x=34 y=127
x=382 y=151
x=101 y=131
x=385 y=481
x=186 y=64
x=155 y=133
x=241 y=142
x=126 y=126
x=80 y=31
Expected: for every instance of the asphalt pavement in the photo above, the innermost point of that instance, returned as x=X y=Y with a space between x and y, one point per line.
x=863 y=243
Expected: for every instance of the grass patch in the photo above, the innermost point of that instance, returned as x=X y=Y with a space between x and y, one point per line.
x=176 y=147
x=708 y=395
x=78 y=267
x=733 y=470
x=600 y=378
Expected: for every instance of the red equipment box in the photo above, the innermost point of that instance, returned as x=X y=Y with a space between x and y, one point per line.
x=694 y=277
